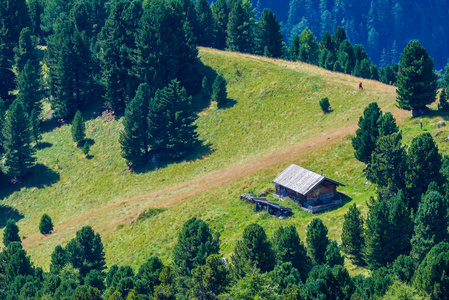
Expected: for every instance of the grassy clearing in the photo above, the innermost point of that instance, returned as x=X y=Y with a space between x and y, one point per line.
x=273 y=119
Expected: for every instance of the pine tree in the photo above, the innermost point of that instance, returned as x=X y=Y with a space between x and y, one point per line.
x=11 y=233
x=239 y=30
x=7 y=76
x=29 y=86
x=332 y=255
x=78 y=129
x=117 y=42
x=220 y=12
x=85 y=251
x=417 y=83
x=26 y=50
x=352 y=236
x=388 y=163
x=170 y=123
x=317 y=240
x=430 y=225
x=424 y=164
x=366 y=137
x=19 y=153
x=205 y=23
x=253 y=250
x=269 y=34
x=35 y=127
x=58 y=260
x=327 y=43
x=134 y=136
x=219 y=92
x=150 y=271
x=387 y=124
x=195 y=243
x=376 y=232
x=339 y=36
x=289 y=249
x=307 y=42
x=45 y=225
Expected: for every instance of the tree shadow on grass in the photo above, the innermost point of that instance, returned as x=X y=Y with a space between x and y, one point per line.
x=199 y=151
x=6 y=213
x=43 y=145
x=39 y=177
x=228 y=103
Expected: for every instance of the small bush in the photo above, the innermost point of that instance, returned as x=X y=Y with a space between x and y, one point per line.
x=324 y=104
x=219 y=92
x=148 y=213
x=86 y=148
x=45 y=226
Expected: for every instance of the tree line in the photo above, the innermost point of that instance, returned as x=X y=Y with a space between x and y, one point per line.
x=261 y=267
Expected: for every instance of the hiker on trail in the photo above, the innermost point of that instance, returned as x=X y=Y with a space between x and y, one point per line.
x=360 y=86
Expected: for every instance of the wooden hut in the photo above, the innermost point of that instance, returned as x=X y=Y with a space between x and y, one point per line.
x=315 y=192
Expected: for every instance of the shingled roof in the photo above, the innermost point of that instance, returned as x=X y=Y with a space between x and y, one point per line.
x=301 y=180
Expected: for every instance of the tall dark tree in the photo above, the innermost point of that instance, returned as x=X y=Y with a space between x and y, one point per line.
x=387 y=124
x=289 y=248
x=424 y=164
x=195 y=243
x=19 y=154
x=26 y=50
x=170 y=122
x=205 y=23
x=58 y=260
x=268 y=34
x=134 y=136
x=7 y=76
x=85 y=252
x=253 y=250
x=430 y=225
x=376 y=236
x=317 y=240
x=11 y=233
x=150 y=271
x=388 y=163
x=366 y=137
x=339 y=36
x=332 y=255
x=239 y=36
x=35 y=127
x=29 y=86
x=166 y=49
x=78 y=128
x=220 y=13
x=417 y=83
x=219 y=92
x=117 y=43
x=431 y=276
x=352 y=236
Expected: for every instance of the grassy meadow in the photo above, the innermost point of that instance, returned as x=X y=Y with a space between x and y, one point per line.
x=271 y=119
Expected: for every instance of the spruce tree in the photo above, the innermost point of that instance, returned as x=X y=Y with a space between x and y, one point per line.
x=170 y=123
x=253 y=250
x=290 y=249
x=7 y=76
x=26 y=50
x=387 y=124
x=35 y=126
x=268 y=34
x=317 y=240
x=366 y=137
x=388 y=163
x=220 y=13
x=19 y=154
x=29 y=86
x=332 y=255
x=133 y=138
x=376 y=232
x=424 y=164
x=58 y=260
x=417 y=83
x=78 y=129
x=205 y=23
x=339 y=36
x=219 y=92
x=10 y=233
x=85 y=251
x=352 y=236
x=430 y=225
x=150 y=271
x=400 y=227
x=195 y=243
x=45 y=225
x=239 y=30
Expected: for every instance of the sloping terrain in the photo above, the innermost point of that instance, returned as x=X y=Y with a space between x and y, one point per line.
x=272 y=118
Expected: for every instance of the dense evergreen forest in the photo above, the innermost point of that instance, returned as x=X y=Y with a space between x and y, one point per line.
x=383 y=27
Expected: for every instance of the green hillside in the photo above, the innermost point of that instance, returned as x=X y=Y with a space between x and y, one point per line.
x=272 y=119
